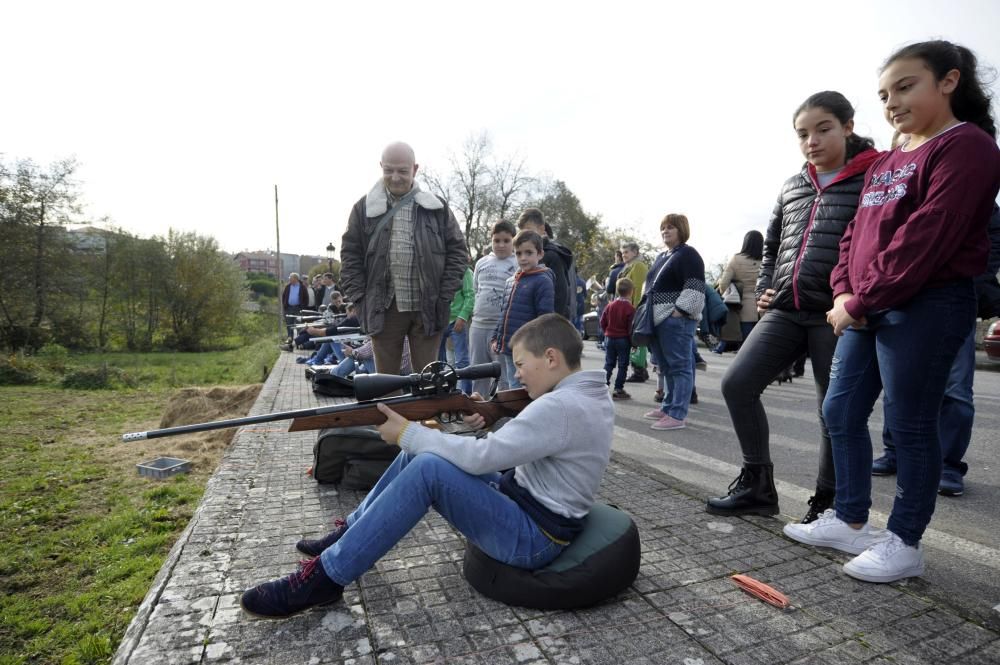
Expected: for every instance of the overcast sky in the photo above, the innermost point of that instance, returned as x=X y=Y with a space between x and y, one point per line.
x=186 y=114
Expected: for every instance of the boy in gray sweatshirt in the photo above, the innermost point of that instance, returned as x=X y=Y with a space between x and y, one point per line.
x=489 y=281
x=525 y=517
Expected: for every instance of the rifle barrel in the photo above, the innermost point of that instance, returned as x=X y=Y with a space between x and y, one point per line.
x=233 y=422
x=274 y=417
x=337 y=338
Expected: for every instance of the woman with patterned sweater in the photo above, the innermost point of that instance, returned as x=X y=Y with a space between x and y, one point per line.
x=675 y=289
x=801 y=248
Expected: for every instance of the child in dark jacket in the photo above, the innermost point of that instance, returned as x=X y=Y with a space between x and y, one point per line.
x=528 y=294
x=616 y=321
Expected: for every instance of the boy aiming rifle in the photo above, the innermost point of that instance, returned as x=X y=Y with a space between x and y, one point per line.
x=525 y=517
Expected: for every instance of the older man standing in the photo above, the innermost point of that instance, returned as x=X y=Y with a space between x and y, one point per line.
x=402 y=260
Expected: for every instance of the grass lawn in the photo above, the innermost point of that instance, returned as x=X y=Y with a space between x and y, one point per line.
x=83 y=535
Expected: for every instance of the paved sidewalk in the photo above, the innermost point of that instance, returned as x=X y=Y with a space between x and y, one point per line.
x=415 y=607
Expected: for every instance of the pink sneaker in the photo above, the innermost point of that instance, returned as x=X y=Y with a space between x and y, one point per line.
x=655 y=414
x=668 y=422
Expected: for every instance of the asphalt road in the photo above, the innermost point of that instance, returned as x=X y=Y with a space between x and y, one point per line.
x=963 y=540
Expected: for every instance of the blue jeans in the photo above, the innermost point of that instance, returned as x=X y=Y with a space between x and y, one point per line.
x=616 y=355
x=472 y=504
x=328 y=349
x=460 y=342
x=509 y=369
x=909 y=351
x=671 y=348
x=957 y=412
x=348 y=365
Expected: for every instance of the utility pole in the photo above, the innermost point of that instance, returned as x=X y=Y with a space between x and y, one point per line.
x=281 y=268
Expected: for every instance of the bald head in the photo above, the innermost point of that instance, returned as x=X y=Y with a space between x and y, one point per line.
x=399 y=151
x=399 y=167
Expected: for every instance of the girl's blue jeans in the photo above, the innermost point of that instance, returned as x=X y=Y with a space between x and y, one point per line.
x=907 y=352
x=671 y=349
x=472 y=504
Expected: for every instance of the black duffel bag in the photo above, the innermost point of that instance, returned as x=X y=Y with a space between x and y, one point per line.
x=331 y=385
x=352 y=457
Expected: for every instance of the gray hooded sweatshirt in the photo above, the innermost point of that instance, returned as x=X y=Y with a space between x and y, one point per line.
x=560 y=444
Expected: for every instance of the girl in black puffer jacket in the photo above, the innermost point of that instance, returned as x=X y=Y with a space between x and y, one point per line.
x=801 y=248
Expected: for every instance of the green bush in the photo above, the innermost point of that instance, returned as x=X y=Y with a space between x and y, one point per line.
x=263 y=287
x=18 y=371
x=53 y=356
x=98 y=378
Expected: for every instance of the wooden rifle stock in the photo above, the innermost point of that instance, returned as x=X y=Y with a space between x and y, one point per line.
x=411 y=407
x=420 y=407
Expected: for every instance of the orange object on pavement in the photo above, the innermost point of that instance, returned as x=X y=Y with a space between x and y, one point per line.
x=758 y=589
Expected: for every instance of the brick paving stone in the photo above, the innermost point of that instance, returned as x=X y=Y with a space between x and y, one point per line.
x=415 y=607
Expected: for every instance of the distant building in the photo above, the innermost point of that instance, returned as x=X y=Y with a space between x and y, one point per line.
x=264 y=262
x=307 y=263
x=267 y=262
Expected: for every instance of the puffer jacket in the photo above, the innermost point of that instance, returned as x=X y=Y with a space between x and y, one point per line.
x=527 y=295
x=802 y=243
x=441 y=259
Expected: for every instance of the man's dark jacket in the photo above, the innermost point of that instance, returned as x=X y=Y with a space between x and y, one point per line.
x=441 y=259
x=559 y=260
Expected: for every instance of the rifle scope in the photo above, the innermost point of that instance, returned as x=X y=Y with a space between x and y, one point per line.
x=436 y=379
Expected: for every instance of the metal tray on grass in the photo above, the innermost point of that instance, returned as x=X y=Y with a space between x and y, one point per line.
x=163 y=467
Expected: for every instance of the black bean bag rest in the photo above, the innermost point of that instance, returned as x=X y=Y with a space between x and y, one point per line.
x=600 y=563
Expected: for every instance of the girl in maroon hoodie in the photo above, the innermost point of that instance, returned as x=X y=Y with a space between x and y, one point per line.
x=904 y=300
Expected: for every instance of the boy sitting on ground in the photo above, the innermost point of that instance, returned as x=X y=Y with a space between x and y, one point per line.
x=525 y=517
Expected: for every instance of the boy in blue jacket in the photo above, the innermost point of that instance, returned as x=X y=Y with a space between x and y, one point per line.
x=529 y=293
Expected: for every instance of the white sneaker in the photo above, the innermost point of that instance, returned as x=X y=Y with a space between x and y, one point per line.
x=830 y=531
x=888 y=560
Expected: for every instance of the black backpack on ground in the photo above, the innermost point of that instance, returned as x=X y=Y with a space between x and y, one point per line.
x=331 y=385
x=352 y=457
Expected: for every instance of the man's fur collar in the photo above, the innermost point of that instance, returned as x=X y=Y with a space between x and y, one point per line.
x=377 y=201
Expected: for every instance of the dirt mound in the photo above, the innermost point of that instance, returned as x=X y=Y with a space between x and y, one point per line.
x=199 y=405
x=189 y=406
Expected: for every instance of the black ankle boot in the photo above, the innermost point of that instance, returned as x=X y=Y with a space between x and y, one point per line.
x=752 y=493
x=316 y=547
x=820 y=501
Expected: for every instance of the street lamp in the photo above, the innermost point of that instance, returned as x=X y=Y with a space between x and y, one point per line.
x=329 y=257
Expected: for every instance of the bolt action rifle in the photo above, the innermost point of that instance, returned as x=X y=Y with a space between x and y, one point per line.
x=433 y=393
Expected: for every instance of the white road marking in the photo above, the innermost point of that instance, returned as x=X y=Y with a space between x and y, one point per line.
x=703 y=470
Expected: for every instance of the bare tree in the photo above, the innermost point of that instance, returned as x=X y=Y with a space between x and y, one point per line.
x=511 y=185
x=472 y=178
x=480 y=188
